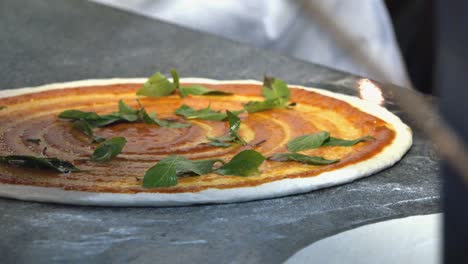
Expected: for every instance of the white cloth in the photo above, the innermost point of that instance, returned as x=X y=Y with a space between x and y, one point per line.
x=280 y=25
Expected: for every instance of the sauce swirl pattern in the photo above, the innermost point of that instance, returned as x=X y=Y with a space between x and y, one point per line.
x=35 y=116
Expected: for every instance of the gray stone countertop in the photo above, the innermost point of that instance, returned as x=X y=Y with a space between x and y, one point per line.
x=54 y=41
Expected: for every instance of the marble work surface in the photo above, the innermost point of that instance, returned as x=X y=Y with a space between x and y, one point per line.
x=54 y=41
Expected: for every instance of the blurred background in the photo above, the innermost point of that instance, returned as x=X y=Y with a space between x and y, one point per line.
x=396 y=33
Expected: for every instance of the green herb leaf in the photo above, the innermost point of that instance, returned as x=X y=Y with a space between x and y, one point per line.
x=106 y=120
x=26 y=161
x=165 y=172
x=2 y=107
x=204 y=113
x=198 y=89
x=205 y=166
x=92 y=118
x=126 y=109
x=147 y=118
x=36 y=141
x=332 y=141
x=98 y=139
x=77 y=114
x=195 y=89
x=320 y=139
x=245 y=163
x=152 y=119
x=156 y=86
x=234 y=125
x=175 y=79
x=220 y=141
x=126 y=112
x=310 y=141
x=258 y=106
x=276 y=89
x=276 y=93
x=84 y=127
x=184 y=165
x=312 y=160
x=108 y=149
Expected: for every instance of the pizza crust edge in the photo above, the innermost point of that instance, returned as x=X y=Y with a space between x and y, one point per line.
x=384 y=159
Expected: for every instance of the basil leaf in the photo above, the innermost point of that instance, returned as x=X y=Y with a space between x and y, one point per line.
x=332 y=141
x=245 y=163
x=2 y=107
x=310 y=141
x=92 y=118
x=275 y=89
x=98 y=139
x=198 y=89
x=276 y=94
x=147 y=118
x=152 y=119
x=312 y=160
x=204 y=113
x=175 y=79
x=258 y=106
x=220 y=141
x=126 y=112
x=221 y=138
x=106 y=120
x=108 y=149
x=84 y=127
x=156 y=86
x=184 y=165
x=320 y=139
x=205 y=166
x=77 y=114
x=234 y=125
x=36 y=141
x=124 y=117
x=165 y=172
x=126 y=109
x=39 y=163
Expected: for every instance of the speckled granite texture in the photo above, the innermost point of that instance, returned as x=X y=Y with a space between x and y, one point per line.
x=55 y=41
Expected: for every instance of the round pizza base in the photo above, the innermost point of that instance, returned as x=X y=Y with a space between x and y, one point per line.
x=385 y=158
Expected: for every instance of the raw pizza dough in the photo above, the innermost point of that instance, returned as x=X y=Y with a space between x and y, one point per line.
x=247 y=189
